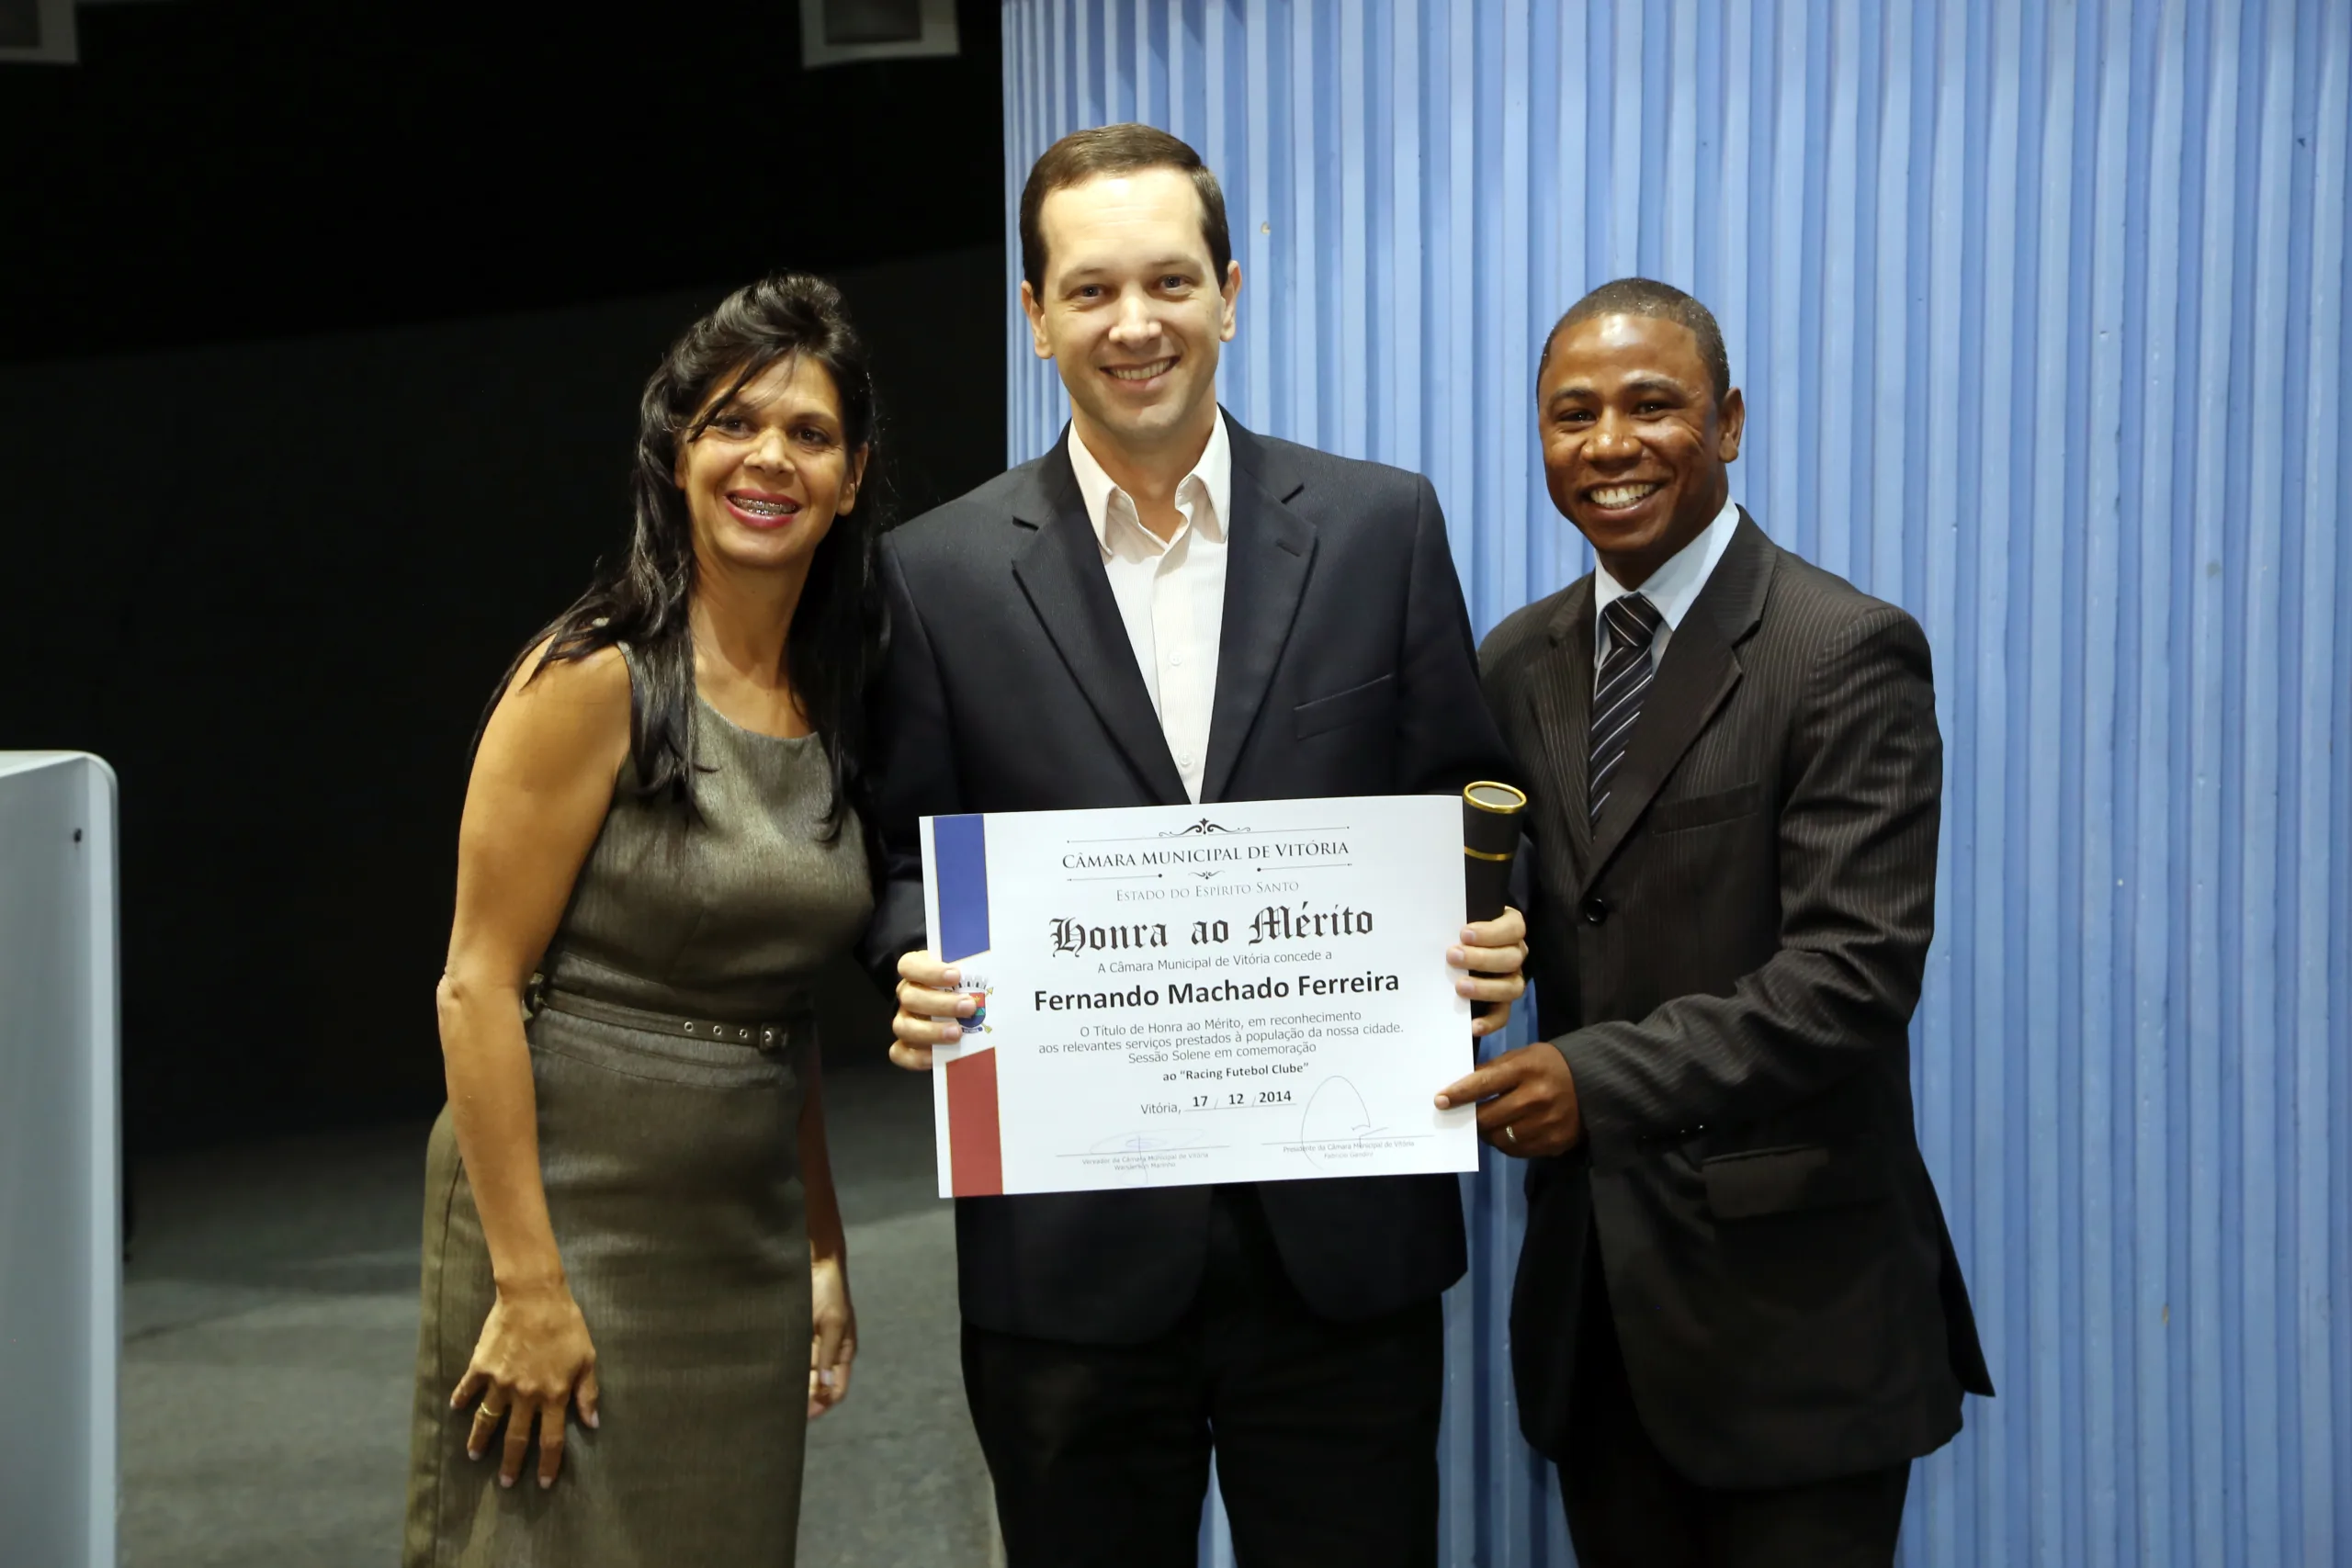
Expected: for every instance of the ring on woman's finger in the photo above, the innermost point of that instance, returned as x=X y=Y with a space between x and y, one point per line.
x=478 y=1436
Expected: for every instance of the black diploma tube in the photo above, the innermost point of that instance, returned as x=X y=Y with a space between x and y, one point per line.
x=1490 y=837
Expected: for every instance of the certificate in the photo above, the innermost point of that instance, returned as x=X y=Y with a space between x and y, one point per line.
x=1176 y=995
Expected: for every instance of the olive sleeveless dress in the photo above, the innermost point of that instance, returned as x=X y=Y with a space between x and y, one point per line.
x=669 y=1041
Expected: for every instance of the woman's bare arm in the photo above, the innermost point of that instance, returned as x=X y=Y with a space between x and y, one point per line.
x=542 y=782
x=833 y=1333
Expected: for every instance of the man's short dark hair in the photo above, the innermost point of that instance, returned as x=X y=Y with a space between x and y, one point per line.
x=1110 y=150
x=1648 y=296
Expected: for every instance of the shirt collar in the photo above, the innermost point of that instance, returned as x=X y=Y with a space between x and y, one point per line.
x=1108 y=506
x=1673 y=587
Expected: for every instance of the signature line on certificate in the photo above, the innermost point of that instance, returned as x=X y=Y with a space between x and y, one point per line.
x=1143 y=1149
x=1379 y=1135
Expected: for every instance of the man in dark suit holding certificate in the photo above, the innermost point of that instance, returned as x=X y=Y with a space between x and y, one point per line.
x=1738 y=1317
x=1166 y=608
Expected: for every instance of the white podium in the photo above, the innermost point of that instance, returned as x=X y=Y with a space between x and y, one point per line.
x=61 y=1205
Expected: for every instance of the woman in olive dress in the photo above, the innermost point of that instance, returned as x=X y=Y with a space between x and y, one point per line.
x=635 y=1294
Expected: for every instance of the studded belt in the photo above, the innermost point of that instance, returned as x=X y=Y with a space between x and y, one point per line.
x=768 y=1036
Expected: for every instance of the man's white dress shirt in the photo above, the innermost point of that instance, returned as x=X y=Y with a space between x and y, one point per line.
x=1671 y=590
x=1172 y=592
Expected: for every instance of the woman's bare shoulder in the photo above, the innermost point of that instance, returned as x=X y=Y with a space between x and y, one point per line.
x=566 y=710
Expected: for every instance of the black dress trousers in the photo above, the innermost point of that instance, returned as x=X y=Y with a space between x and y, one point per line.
x=1325 y=1433
x=1628 y=1508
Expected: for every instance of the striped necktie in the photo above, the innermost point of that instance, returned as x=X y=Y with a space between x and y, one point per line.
x=1625 y=672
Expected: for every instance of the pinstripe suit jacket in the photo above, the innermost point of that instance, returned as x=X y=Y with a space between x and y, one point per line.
x=1728 y=959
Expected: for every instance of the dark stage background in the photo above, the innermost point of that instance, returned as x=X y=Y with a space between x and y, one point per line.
x=323 y=332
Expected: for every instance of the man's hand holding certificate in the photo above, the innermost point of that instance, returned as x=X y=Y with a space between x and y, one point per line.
x=1165 y=996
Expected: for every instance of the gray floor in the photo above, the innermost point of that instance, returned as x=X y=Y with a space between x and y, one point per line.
x=271 y=1336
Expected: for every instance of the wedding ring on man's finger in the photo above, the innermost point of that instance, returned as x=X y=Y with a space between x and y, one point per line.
x=1511 y=1133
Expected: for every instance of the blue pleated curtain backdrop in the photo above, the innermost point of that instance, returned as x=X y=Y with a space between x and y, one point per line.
x=2039 y=309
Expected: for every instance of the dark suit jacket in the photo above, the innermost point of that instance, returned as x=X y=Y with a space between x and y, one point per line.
x=1729 y=960
x=1346 y=666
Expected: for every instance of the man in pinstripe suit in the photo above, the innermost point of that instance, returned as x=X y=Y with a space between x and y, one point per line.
x=1738 y=1316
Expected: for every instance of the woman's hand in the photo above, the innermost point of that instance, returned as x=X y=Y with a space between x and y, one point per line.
x=533 y=1361
x=930 y=1010
x=832 y=1340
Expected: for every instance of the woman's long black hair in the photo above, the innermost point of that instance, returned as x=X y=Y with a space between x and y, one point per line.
x=835 y=642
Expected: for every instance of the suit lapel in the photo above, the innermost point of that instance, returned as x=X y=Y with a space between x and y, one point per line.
x=1561 y=698
x=1701 y=667
x=1269 y=551
x=1061 y=571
